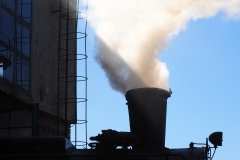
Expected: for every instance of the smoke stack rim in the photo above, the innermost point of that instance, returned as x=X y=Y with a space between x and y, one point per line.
x=153 y=91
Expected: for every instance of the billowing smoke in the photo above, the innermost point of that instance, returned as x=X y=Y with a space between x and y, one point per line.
x=131 y=34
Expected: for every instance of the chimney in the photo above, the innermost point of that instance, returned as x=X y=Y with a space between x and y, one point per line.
x=147 y=114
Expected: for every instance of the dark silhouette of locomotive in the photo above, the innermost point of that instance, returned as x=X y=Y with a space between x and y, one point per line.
x=146 y=141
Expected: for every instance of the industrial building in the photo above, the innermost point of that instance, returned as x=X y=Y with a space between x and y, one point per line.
x=38 y=56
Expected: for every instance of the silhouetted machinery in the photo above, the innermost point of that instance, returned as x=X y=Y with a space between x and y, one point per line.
x=146 y=141
x=111 y=139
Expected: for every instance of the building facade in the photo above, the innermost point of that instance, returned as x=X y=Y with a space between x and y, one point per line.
x=38 y=45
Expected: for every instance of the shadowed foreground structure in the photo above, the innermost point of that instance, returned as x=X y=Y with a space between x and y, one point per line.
x=146 y=141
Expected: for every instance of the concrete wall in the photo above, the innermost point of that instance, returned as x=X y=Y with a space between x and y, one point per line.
x=45 y=52
x=44 y=70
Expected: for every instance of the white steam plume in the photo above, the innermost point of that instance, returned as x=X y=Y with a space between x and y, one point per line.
x=130 y=34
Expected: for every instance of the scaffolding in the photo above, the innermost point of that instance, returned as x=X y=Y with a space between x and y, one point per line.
x=68 y=79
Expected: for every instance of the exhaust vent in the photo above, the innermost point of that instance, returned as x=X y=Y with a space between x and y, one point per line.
x=147 y=114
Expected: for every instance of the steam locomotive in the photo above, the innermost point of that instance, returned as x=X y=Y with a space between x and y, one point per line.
x=146 y=141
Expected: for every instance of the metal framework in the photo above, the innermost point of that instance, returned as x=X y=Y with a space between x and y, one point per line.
x=68 y=58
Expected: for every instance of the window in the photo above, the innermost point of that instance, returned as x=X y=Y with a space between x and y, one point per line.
x=1 y=70
x=15 y=42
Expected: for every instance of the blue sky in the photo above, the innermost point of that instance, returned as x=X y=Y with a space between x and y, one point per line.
x=203 y=62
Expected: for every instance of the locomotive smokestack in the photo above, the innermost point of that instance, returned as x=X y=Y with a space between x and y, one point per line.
x=147 y=114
